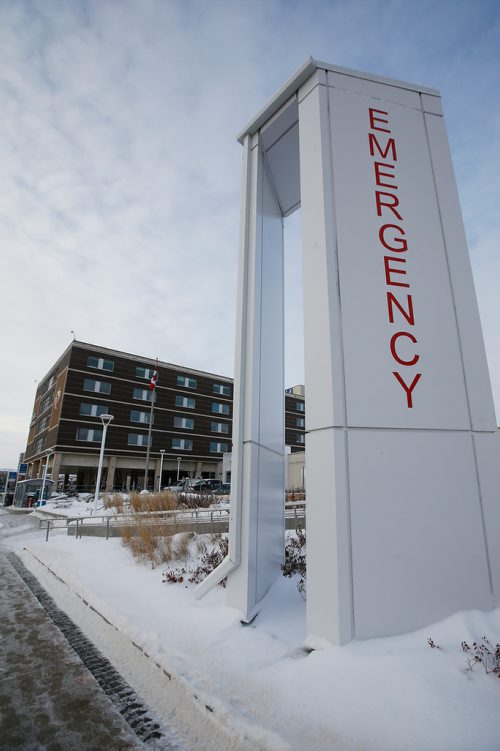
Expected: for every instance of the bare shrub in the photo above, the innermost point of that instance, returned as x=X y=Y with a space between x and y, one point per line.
x=126 y=532
x=135 y=502
x=151 y=538
x=193 y=501
x=140 y=549
x=432 y=644
x=146 y=543
x=207 y=562
x=295 y=494
x=484 y=653
x=114 y=501
x=201 y=545
x=148 y=537
x=164 y=501
x=151 y=502
x=164 y=550
x=182 y=546
x=481 y=652
x=295 y=560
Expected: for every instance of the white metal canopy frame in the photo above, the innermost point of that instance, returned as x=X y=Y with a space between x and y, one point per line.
x=401 y=455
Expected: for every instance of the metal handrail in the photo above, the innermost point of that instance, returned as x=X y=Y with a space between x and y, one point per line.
x=293 y=509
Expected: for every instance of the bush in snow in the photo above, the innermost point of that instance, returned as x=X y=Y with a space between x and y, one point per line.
x=485 y=653
x=115 y=501
x=150 y=502
x=71 y=489
x=482 y=652
x=148 y=539
x=295 y=494
x=295 y=560
x=208 y=559
x=195 y=500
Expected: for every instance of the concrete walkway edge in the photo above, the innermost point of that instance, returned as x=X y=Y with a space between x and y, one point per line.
x=203 y=721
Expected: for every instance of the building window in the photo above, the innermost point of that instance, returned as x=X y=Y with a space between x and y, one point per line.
x=99 y=387
x=184 y=444
x=52 y=380
x=185 y=401
x=299 y=406
x=146 y=373
x=222 y=389
x=183 y=422
x=300 y=422
x=220 y=409
x=89 y=434
x=144 y=395
x=219 y=427
x=218 y=448
x=46 y=403
x=137 y=439
x=43 y=423
x=100 y=363
x=39 y=444
x=300 y=438
x=137 y=416
x=186 y=382
x=92 y=410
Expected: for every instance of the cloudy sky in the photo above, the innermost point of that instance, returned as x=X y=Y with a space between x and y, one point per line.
x=120 y=173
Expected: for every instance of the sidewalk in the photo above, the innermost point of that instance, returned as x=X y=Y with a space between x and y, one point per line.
x=48 y=699
x=200 y=720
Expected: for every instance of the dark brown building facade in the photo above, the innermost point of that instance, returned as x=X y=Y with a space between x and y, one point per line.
x=192 y=420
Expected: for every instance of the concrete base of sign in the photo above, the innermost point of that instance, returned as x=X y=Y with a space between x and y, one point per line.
x=411 y=546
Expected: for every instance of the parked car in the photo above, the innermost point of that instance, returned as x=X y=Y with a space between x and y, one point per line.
x=201 y=486
x=179 y=487
x=205 y=486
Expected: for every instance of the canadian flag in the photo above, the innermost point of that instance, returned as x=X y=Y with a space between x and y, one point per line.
x=154 y=378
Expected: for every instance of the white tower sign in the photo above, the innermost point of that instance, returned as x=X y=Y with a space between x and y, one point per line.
x=402 y=482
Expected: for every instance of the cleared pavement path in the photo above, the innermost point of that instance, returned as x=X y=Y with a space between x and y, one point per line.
x=57 y=691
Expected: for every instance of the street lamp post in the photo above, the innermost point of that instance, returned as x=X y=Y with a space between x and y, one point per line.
x=106 y=419
x=49 y=454
x=178 y=467
x=162 y=452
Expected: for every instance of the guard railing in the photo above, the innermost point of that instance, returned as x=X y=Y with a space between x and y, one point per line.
x=168 y=522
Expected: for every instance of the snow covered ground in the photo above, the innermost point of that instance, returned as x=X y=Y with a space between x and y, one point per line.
x=259 y=682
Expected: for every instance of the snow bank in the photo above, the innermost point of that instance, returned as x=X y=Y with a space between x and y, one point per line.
x=264 y=686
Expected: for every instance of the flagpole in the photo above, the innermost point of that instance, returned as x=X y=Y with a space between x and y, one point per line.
x=152 y=386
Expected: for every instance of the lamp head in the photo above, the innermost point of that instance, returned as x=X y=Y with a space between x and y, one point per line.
x=106 y=419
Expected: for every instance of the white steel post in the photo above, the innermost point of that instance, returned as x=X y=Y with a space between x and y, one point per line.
x=106 y=419
x=257 y=491
x=162 y=454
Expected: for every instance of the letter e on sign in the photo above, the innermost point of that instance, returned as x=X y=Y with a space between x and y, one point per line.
x=374 y=119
